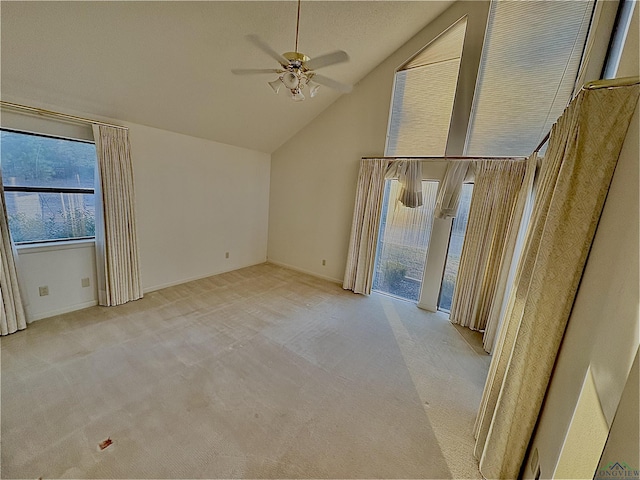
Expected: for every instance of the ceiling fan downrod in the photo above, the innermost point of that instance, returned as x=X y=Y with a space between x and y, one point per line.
x=297 y=25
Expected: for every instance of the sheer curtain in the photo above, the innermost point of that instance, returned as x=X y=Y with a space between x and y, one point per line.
x=118 y=269
x=403 y=242
x=410 y=177
x=12 y=315
x=451 y=188
x=497 y=184
x=575 y=176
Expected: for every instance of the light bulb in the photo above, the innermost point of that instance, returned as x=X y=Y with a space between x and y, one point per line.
x=290 y=80
x=276 y=84
x=296 y=95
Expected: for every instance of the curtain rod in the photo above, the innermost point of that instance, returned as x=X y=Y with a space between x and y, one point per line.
x=594 y=85
x=611 y=83
x=51 y=113
x=446 y=157
x=542 y=142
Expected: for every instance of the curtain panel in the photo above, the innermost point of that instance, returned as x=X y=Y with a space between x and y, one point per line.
x=583 y=150
x=410 y=177
x=511 y=253
x=366 y=223
x=118 y=268
x=365 y=227
x=451 y=189
x=497 y=184
x=12 y=314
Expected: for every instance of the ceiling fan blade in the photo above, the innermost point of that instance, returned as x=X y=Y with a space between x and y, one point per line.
x=328 y=82
x=258 y=42
x=328 y=59
x=253 y=71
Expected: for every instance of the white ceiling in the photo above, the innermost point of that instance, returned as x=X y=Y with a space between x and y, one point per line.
x=167 y=64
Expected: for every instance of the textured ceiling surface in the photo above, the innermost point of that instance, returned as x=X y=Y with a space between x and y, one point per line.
x=167 y=64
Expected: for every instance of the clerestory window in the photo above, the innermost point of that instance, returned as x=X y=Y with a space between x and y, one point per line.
x=423 y=96
x=530 y=61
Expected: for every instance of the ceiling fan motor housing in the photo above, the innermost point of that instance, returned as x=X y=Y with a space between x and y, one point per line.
x=296 y=58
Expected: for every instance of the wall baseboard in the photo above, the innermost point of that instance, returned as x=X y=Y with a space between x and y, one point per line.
x=60 y=311
x=302 y=270
x=92 y=303
x=198 y=277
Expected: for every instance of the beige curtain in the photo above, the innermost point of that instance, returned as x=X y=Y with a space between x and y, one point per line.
x=364 y=228
x=12 y=315
x=116 y=244
x=497 y=184
x=410 y=177
x=366 y=215
x=511 y=252
x=575 y=177
x=451 y=188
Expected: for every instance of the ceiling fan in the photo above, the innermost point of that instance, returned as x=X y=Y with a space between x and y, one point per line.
x=297 y=70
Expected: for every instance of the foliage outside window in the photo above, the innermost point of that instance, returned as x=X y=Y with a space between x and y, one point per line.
x=403 y=242
x=49 y=186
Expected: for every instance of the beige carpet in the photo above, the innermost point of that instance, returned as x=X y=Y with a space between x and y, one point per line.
x=258 y=373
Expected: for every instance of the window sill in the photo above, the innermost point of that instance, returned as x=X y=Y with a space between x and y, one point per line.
x=54 y=246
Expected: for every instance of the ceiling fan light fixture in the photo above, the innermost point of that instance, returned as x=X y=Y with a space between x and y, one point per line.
x=297 y=95
x=313 y=89
x=296 y=69
x=290 y=80
x=276 y=84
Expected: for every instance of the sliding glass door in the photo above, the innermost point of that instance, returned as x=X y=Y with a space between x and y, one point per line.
x=454 y=252
x=403 y=242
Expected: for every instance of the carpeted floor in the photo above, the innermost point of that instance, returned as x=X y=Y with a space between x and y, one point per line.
x=259 y=373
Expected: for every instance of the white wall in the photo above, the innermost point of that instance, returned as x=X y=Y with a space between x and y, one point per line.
x=313 y=175
x=624 y=436
x=195 y=200
x=61 y=269
x=602 y=335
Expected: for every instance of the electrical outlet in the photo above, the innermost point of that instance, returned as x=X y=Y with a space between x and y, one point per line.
x=324 y=262
x=44 y=291
x=226 y=255
x=86 y=282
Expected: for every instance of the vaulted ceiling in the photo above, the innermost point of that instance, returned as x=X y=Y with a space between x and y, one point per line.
x=168 y=64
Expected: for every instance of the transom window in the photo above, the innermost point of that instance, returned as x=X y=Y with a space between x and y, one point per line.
x=49 y=187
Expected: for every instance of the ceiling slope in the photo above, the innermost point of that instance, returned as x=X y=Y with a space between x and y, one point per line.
x=168 y=64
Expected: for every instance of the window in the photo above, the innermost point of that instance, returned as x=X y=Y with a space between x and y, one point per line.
x=530 y=60
x=618 y=38
x=49 y=186
x=403 y=242
x=423 y=96
x=456 y=240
